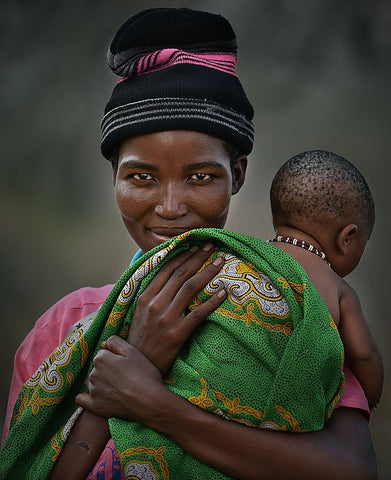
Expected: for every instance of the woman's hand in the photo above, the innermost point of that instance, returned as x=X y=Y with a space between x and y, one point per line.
x=126 y=384
x=123 y=383
x=342 y=450
x=161 y=324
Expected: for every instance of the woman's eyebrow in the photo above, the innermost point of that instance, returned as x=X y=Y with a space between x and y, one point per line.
x=129 y=163
x=202 y=165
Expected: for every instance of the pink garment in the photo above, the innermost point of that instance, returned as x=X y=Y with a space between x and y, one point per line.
x=168 y=57
x=353 y=395
x=50 y=330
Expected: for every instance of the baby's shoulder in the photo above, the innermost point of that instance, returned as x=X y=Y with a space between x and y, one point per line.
x=346 y=289
x=349 y=300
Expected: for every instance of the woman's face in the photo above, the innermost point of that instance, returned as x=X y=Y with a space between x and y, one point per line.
x=169 y=182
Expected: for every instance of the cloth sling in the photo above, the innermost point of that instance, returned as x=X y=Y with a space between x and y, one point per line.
x=269 y=357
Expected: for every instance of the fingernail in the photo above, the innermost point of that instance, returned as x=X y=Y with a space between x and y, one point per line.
x=193 y=249
x=218 y=261
x=221 y=293
x=207 y=247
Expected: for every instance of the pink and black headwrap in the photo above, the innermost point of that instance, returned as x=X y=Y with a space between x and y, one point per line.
x=177 y=69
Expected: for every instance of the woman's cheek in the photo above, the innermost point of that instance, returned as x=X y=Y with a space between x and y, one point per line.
x=130 y=203
x=216 y=206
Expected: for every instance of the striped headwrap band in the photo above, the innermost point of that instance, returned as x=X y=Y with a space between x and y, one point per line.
x=177 y=69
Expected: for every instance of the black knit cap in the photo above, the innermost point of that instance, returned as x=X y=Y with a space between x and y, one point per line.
x=178 y=73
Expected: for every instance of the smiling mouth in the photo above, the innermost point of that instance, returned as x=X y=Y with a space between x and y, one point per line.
x=163 y=234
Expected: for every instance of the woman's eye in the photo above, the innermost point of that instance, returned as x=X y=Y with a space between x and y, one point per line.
x=200 y=177
x=141 y=176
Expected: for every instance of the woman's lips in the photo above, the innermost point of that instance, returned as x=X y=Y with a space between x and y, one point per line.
x=163 y=234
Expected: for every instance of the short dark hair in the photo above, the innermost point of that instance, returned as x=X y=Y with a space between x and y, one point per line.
x=233 y=153
x=317 y=185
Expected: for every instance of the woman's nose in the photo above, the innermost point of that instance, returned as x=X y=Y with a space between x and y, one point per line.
x=171 y=204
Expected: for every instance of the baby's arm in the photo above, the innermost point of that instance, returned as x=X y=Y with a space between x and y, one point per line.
x=361 y=351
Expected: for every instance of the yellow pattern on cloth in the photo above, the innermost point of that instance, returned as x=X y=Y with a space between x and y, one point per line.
x=269 y=357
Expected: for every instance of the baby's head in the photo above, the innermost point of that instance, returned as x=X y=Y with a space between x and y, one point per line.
x=323 y=195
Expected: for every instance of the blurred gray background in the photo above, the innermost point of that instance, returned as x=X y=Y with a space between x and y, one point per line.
x=318 y=73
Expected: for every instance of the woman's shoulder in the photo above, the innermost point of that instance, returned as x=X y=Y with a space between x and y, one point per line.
x=84 y=298
x=54 y=324
x=51 y=328
x=48 y=332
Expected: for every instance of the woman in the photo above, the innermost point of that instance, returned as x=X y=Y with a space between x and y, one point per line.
x=177 y=130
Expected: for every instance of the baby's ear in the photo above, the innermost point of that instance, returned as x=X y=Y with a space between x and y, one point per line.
x=345 y=237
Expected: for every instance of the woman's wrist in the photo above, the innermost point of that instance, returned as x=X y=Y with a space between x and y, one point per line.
x=243 y=452
x=166 y=412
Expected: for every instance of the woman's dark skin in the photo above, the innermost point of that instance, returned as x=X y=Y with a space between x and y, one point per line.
x=91 y=433
x=191 y=185
x=166 y=183
x=342 y=450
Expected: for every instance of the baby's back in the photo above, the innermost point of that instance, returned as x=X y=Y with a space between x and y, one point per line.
x=324 y=279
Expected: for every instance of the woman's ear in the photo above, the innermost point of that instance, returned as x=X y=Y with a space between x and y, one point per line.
x=345 y=237
x=114 y=168
x=114 y=165
x=239 y=174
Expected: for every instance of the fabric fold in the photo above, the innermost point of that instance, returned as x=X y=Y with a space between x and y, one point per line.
x=269 y=357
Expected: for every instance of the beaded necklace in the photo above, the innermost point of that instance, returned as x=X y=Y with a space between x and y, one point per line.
x=301 y=243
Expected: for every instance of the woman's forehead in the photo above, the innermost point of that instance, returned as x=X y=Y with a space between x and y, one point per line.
x=174 y=146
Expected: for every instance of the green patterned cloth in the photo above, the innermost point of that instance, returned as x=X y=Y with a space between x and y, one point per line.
x=269 y=357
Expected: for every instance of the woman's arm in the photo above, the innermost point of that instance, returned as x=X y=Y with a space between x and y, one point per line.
x=342 y=450
x=83 y=448
x=47 y=334
x=361 y=351
x=162 y=323
x=163 y=311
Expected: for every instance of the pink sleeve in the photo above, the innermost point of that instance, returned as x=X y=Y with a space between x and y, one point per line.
x=48 y=332
x=353 y=395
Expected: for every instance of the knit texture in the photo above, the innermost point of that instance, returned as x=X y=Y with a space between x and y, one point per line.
x=178 y=72
x=269 y=357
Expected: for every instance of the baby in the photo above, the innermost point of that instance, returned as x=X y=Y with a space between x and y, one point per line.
x=323 y=215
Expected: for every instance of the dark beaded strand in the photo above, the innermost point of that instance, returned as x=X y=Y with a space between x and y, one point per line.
x=301 y=243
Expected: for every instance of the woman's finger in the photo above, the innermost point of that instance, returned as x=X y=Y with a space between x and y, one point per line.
x=84 y=400
x=117 y=345
x=175 y=272
x=200 y=313
x=186 y=271
x=195 y=284
x=88 y=383
x=167 y=269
